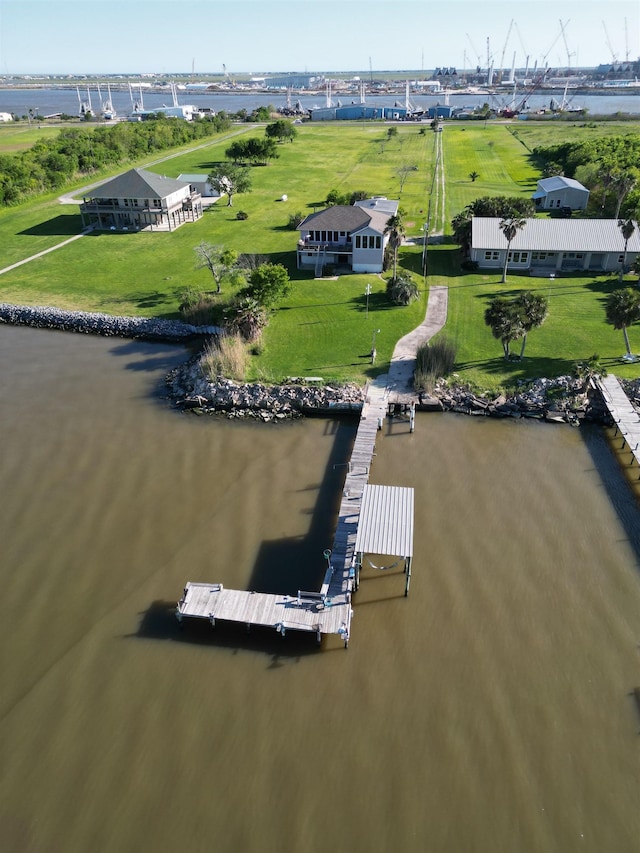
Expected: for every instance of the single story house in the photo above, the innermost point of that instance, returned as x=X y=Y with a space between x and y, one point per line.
x=558 y=191
x=140 y=200
x=553 y=245
x=346 y=235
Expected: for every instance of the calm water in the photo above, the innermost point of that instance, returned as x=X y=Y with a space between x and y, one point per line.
x=49 y=101
x=487 y=712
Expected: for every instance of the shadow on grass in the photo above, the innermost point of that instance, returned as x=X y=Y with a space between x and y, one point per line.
x=514 y=370
x=58 y=226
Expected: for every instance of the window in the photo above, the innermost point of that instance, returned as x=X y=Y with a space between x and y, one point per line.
x=358 y=242
x=335 y=236
x=491 y=256
x=378 y=242
x=323 y=236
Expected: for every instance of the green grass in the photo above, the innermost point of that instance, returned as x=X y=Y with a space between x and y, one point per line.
x=322 y=328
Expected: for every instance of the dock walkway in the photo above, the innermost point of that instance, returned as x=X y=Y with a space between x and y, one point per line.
x=624 y=415
x=328 y=611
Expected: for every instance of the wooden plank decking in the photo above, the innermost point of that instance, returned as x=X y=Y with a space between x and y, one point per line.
x=326 y=612
x=625 y=417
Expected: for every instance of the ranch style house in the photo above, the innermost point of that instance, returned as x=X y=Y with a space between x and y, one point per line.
x=346 y=236
x=138 y=201
x=545 y=246
x=558 y=192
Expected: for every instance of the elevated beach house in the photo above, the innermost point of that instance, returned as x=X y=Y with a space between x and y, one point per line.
x=553 y=245
x=346 y=236
x=140 y=200
x=558 y=192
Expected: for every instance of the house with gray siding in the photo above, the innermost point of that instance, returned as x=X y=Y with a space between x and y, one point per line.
x=346 y=236
x=553 y=245
x=140 y=201
x=558 y=192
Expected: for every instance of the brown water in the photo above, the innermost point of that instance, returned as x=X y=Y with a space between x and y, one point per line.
x=488 y=711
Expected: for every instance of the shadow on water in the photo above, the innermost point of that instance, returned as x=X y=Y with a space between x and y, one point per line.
x=158 y=622
x=282 y=566
x=619 y=482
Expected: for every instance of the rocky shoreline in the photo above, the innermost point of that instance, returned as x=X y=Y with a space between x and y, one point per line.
x=564 y=399
x=561 y=400
x=140 y=328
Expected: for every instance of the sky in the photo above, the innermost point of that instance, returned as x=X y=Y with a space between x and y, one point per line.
x=267 y=36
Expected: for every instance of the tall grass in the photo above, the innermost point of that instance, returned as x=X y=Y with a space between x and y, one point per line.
x=434 y=360
x=224 y=357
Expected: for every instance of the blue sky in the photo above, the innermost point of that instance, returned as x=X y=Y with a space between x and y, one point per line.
x=162 y=36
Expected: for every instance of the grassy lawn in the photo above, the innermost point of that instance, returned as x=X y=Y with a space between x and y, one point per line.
x=322 y=328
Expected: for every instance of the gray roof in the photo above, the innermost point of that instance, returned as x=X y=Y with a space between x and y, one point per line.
x=386 y=521
x=559 y=182
x=370 y=213
x=554 y=235
x=137 y=183
x=340 y=217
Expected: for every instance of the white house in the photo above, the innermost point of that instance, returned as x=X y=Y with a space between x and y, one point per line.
x=553 y=245
x=558 y=191
x=346 y=235
x=6 y=117
x=140 y=200
x=200 y=183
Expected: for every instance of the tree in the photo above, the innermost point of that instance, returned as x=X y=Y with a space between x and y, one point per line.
x=221 y=263
x=392 y=132
x=474 y=176
x=281 y=130
x=404 y=171
x=510 y=227
x=267 y=284
x=533 y=310
x=623 y=309
x=493 y=206
x=504 y=319
x=396 y=231
x=627 y=227
x=623 y=183
x=230 y=179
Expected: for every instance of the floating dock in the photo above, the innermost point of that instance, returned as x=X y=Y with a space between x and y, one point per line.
x=371 y=519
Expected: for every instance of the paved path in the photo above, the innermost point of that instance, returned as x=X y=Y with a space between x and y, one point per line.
x=43 y=252
x=403 y=360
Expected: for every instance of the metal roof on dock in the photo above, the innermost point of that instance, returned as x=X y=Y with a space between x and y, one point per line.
x=386 y=521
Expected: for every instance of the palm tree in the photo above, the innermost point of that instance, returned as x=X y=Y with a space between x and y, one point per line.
x=623 y=309
x=474 y=176
x=627 y=226
x=505 y=322
x=396 y=231
x=533 y=310
x=510 y=227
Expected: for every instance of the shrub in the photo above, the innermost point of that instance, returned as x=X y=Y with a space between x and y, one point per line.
x=294 y=220
x=402 y=290
x=198 y=308
x=242 y=214
x=224 y=356
x=247 y=318
x=434 y=360
x=328 y=270
x=469 y=266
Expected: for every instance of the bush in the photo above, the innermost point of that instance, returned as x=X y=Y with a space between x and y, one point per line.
x=434 y=360
x=198 y=308
x=328 y=270
x=469 y=266
x=242 y=214
x=402 y=290
x=294 y=220
x=226 y=357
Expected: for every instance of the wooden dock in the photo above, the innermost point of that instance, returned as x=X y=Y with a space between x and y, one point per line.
x=329 y=610
x=625 y=417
